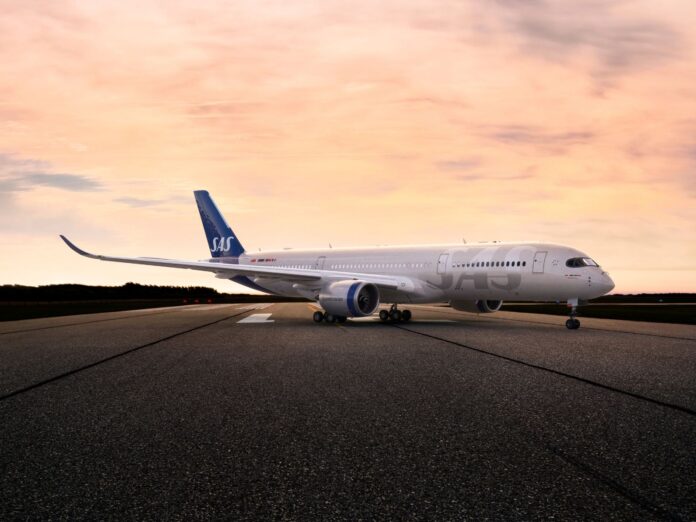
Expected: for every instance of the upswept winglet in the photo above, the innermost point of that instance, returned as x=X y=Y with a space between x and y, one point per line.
x=74 y=247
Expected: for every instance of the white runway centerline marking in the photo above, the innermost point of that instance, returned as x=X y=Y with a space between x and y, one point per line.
x=257 y=318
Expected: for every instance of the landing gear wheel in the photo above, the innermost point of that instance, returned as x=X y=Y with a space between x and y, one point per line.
x=329 y=318
x=572 y=324
x=384 y=315
x=395 y=315
x=406 y=315
x=341 y=318
x=318 y=317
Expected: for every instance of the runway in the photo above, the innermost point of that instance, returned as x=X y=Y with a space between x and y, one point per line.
x=249 y=411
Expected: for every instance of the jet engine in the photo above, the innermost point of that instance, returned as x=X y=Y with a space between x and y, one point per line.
x=349 y=298
x=477 y=307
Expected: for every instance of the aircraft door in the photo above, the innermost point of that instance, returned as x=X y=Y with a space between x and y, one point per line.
x=320 y=263
x=442 y=264
x=538 y=264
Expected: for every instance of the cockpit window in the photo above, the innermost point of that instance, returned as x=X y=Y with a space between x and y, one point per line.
x=579 y=262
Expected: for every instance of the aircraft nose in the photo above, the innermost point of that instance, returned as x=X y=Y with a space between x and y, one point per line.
x=607 y=283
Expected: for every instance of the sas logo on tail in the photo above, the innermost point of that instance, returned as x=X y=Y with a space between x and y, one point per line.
x=222 y=244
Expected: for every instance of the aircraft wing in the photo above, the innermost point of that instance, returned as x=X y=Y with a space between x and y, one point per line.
x=308 y=276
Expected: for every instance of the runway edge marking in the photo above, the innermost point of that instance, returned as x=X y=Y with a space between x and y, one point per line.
x=657 y=402
x=110 y=358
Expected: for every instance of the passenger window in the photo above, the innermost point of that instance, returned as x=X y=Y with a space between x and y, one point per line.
x=524 y=263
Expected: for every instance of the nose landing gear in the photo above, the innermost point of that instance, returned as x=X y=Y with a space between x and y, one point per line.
x=572 y=323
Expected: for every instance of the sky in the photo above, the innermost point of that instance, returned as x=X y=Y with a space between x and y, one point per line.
x=346 y=122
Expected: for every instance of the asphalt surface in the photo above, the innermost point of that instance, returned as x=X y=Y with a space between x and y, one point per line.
x=254 y=411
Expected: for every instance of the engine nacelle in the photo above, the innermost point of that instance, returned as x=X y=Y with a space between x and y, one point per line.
x=349 y=298
x=480 y=306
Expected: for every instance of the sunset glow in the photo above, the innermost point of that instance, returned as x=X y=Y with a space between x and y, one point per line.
x=350 y=123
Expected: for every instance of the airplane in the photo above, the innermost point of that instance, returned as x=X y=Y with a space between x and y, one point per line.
x=351 y=282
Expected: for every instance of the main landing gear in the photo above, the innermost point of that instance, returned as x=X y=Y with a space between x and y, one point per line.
x=395 y=315
x=572 y=323
x=329 y=318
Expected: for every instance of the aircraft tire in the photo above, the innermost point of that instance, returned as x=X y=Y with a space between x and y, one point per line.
x=572 y=324
x=406 y=315
x=395 y=315
x=318 y=317
x=383 y=315
x=329 y=318
x=341 y=318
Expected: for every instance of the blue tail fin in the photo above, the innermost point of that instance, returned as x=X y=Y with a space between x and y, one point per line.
x=221 y=240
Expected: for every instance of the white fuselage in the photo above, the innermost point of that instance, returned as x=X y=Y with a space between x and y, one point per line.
x=480 y=271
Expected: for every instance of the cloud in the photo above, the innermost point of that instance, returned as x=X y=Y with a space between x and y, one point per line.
x=553 y=30
x=468 y=170
x=495 y=177
x=8 y=114
x=457 y=165
x=139 y=202
x=145 y=202
x=20 y=174
x=550 y=141
x=70 y=182
x=10 y=161
x=217 y=109
x=432 y=101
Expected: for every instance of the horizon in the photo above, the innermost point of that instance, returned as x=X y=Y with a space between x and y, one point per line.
x=251 y=291
x=346 y=124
